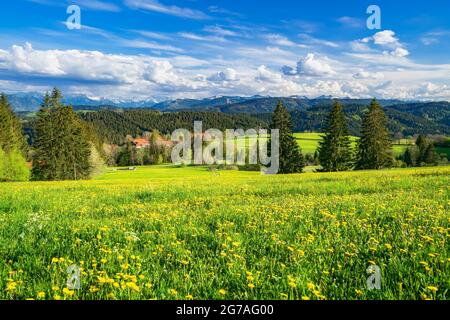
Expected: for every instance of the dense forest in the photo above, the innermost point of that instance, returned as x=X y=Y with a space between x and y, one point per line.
x=113 y=126
x=407 y=120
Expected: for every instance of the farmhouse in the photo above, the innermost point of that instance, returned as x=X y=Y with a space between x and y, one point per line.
x=141 y=143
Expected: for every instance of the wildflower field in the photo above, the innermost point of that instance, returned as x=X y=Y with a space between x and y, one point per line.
x=188 y=233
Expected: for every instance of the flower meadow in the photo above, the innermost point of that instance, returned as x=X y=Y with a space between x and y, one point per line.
x=165 y=232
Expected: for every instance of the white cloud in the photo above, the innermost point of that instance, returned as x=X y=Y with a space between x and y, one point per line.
x=311 y=40
x=310 y=66
x=221 y=31
x=193 y=36
x=151 y=34
x=87 y=65
x=282 y=41
x=385 y=37
x=228 y=75
x=156 y=6
x=368 y=75
x=97 y=5
x=351 y=22
x=399 y=52
x=149 y=45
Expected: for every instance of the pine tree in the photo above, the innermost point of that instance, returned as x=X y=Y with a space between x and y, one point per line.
x=11 y=133
x=408 y=157
x=335 y=152
x=430 y=155
x=291 y=157
x=12 y=145
x=62 y=150
x=375 y=146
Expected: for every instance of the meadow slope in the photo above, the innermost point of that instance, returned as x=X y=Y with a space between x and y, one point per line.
x=187 y=233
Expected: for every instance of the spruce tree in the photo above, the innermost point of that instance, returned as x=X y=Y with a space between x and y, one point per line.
x=291 y=157
x=408 y=157
x=335 y=152
x=61 y=149
x=12 y=145
x=11 y=133
x=375 y=146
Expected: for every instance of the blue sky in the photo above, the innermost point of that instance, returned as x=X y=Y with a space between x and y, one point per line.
x=200 y=48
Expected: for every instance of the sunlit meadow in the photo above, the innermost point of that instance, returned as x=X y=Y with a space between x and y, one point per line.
x=189 y=233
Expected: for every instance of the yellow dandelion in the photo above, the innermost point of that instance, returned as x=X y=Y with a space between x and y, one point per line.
x=173 y=292
x=93 y=289
x=133 y=286
x=310 y=285
x=67 y=292
x=222 y=292
x=432 y=288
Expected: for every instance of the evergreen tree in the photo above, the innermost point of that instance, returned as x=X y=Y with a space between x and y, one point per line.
x=62 y=150
x=12 y=145
x=375 y=146
x=422 y=153
x=335 y=152
x=11 y=133
x=408 y=157
x=291 y=157
x=430 y=155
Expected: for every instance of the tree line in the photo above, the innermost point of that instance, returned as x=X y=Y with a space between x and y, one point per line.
x=335 y=152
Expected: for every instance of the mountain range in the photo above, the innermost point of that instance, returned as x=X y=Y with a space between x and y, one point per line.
x=29 y=102
x=406 y=117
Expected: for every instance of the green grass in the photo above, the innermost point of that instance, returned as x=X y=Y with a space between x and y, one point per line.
x=309 y=142
x=178 y=233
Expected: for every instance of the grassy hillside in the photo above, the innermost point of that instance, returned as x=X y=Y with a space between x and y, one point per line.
x=187 y=233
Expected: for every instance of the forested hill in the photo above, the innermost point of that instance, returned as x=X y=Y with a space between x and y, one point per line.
x=407 y=119
x=114 y=125
x=432 y=118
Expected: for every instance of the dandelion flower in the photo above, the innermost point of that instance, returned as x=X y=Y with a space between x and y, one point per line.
x=432 y=288
x=222 y=292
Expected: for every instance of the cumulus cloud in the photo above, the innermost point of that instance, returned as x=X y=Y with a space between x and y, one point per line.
x=86 y=65
x=310 y=66
x=385 y=39
x=228 y=75
x=399 y=52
